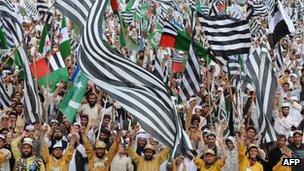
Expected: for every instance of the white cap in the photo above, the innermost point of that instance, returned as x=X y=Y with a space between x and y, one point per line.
x=294 y=98
x=294 y=75
x=27 y=141
x=285 y=105
x=29 y=128
x=117 y=105
x=2 y=136
x=57 y=145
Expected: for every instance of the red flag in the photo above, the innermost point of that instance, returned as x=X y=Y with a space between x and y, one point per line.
x=40 y=68
x=115 y=6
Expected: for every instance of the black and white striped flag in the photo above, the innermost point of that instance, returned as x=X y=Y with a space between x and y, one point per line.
x=4 y=24
x=171 y=3
x=191 y=80
x=157 y=71
x=128 y=16
x=226 y=36
x=5 y=100
x=280 y=25
x=127 y=83
x=262 y=74
x=223 y=115
x=31 y=10
x=31 y=100
x=278 y=52
x=42 y=7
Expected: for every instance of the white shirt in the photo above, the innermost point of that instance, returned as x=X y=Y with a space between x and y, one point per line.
x=121 y=163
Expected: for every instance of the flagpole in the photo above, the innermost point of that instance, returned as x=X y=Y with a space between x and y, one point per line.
x=22 y=41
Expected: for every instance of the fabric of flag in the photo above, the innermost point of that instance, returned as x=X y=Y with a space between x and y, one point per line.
x=114 y=6
x=5 y=25
x=235 y=70
x=262 y=74
x=45 y=43
x=4 y=97
x=280 y=25
x=226 y=36
x=50 y=71
x=191 y=79
x=129 y=84
x=172 y=3
x=223 y=115
x=256 y=9
x=256 y=28
x=72 y=7
x=125 y=39
x=157 y=71
x=128 y=16
x=168 y=37
x=177 y=62
x=218 y=7
x=31 y=10
x=73 y=97
x=64 y=40
x=278 y=52
x=33 y=106
x=42 y=7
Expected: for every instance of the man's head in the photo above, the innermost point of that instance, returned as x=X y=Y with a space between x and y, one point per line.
x=122 y=150
x=281 y=140
x=54 y=123
x=57 y=133
x=57 y=150
x=100 y=149
x=192 y=131
x=27 y=148
x=149 y=152
x=211 y=138
x=142 y=139
x=209 y=156
x=30 y=129
x=253 y=151
x=18 y=108
x=251 y=132
x=5 y=121
x=106 y=120
x=229 y=143
x=286 y=87
x=92 y=99
x=84 y=120
x=104 y=134
x=297 y=137
x=285 y=109
x=195 y=120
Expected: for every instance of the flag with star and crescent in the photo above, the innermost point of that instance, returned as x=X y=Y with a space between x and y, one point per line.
x=64 y=40
x=72 y=99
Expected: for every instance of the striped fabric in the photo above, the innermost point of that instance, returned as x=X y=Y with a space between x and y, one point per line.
x=30 y=10
x=4 y=97
x=191 y=80
x=218 y=7
x=157 y=71
x=278 y=52
x=223 y=115
x=127 y=83
x=172 y=3
x=4 y=24
x=74 y=44
x=256 y=28
x=261 y=72
x=254 y=10
x=226 y=36
x=177 y=57
x=76 y=10
x=32 y=103
x=44 y=11
x=235 y=73
x=42 y=7
x=56 y=62
x=128 y=16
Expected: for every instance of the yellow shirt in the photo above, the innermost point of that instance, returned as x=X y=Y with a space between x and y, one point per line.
x=244 y=162
x=29 y=161
x=279 y=167
x=52 y=163
x=144 y=165
x=97 y=164
x=217 y=166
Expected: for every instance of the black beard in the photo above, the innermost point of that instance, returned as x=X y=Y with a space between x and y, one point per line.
x=91 y=105
x=58 y=138
x=26 y=155
x=148 y=159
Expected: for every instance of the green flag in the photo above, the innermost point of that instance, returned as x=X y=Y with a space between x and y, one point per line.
x=45 y=42
x=125 y=39
x=72 y=100
x=4 y=47
x=64 y=40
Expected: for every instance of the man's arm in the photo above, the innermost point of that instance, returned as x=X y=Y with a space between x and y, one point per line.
x=163 y=155
x=114 y=149
x=15 y=148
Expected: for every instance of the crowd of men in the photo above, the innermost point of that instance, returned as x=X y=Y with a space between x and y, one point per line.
x=105 y=136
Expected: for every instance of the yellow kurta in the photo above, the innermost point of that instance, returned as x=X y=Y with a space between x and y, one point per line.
x=244 y=162
x=52 y=163
x=279 y=167
x=217 y=166
x=29 y=161
x=96 y=164
x=144 y=165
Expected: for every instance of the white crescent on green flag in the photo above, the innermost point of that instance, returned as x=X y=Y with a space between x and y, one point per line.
x=64 y=40
x=72 y=99
x=45 y=43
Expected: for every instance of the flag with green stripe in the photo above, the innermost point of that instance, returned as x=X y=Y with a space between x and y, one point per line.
x=64 y=40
